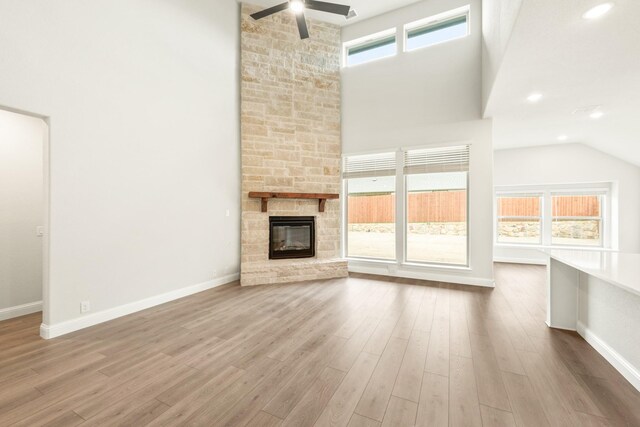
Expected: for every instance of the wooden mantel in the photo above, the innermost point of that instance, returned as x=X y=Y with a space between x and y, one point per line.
x=322 y=198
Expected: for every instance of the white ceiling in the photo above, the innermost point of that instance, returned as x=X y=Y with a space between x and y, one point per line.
x=574 y=63
x=365 y=8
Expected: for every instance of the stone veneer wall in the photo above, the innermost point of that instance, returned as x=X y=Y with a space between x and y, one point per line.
x=290 y=120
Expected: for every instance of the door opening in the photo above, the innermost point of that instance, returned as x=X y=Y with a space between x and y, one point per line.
x=23 y=214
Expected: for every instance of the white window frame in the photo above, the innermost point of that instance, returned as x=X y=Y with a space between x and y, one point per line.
x=345 y=209
x=602 y=199
x=607 y=226
x=346 y=46
x=406 y=230
x=540 y=217
x=401 y=216
x=345 y=234
x=435 y=20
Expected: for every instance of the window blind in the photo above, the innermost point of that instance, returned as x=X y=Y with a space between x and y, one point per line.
x=437 y=26
x=370 y=165
x=437 y=160
x=374 y=44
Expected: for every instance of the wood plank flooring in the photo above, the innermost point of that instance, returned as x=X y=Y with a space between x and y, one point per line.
x=361 y=351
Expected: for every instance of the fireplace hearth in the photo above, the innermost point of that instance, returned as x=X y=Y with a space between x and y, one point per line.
x=292 y=237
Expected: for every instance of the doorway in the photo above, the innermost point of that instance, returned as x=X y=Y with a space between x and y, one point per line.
x=23 y=213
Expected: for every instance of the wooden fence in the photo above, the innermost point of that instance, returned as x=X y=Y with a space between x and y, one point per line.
x=562 y=206
x=451 y=206
x=519 y=206
x=438 y=206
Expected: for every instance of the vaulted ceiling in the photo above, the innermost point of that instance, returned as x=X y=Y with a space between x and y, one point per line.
x=577 y=65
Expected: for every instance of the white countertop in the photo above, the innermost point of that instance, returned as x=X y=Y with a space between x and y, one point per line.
x=617 y=268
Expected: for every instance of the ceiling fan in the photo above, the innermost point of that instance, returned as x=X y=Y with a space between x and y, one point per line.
x=298 y=7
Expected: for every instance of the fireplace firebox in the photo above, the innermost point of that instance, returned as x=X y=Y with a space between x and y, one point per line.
x=292 y=237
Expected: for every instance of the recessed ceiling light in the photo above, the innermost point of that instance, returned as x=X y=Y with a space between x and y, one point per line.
x=562 y=137
x=296 y=6
x=596 y=114
x=598 y=11
x=534 y=97
x=586 y=110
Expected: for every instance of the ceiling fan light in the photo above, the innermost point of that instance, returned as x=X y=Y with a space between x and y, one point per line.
x=297 y=6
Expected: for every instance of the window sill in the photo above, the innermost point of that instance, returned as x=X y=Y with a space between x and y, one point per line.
x=542 y=247
x=418 y=265
x=372 y=260
x=410 y=265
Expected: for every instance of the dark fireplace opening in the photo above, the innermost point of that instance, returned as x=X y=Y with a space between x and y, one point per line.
x=292 y=237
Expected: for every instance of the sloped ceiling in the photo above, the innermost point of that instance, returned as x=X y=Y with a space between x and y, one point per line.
x=574 y=63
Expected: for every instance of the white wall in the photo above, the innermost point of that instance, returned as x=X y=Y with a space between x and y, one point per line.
x=392 y=101
x=573 y=164
x=142 y=97
x=21 y=212
x=423 y=97
x=498 y=19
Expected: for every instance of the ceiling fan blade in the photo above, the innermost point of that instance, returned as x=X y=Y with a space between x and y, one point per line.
x=339 y=9
x=302 y=26
x=270 y=11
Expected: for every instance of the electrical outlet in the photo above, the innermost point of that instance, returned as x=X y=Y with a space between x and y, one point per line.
x=215 y=273
x=85 y=307
x=228 y=213
x=40 y=231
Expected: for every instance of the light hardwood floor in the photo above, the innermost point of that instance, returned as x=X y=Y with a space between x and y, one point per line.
x=349 y=352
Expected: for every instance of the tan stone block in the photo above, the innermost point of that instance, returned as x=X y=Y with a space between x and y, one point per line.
x=271 y=181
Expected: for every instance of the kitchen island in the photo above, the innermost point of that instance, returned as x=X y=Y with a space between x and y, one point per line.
x=597 y=294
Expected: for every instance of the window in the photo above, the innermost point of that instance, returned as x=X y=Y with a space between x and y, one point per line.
x=428 y=188
x=577 y=219
x=376 y=46
x=371 y=206
x=437 y=29
x=520 y=218
x=554 y=215
x=444 y=27
x=436 y=200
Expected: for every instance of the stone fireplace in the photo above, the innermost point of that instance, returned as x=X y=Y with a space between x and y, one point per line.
x=291 y=143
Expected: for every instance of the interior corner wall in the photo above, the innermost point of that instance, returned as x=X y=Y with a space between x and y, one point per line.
x=498 y=20
x=573 y=164
x=142 y=101
x=425 y=97
x=21 y=212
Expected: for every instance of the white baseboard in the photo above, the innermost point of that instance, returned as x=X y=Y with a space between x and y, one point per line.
x=622 y=365
x=558 y=327
x=20 y=310
x=430 y=276
x=68 y=326
x=511 y=260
